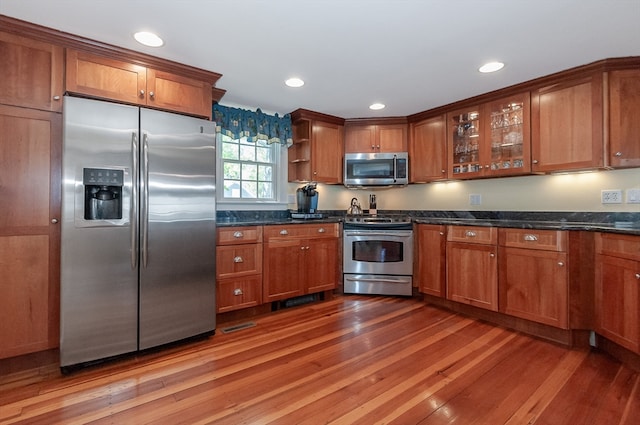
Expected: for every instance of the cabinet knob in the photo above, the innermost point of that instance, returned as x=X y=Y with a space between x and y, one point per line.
x=441 y=233
x=302 y=248
x=151 y=94
x=618 y=153
x=56 y=97
x=237 y=292
x=141 y=93
x=373 y=147
x=54 y=221
x=560 y=263
x=638 y=276
x=378 y=147
x=492 y=255
x=238 y=235
x=535 y=161
x=284 y=232
x=238 y=259
x=443 y=171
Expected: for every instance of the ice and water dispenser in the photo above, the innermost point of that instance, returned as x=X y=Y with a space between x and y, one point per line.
x=102 y=193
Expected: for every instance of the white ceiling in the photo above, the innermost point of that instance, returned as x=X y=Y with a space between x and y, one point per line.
x=411 y=55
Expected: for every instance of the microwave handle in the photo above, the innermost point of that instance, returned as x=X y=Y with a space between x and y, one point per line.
x=395 y=168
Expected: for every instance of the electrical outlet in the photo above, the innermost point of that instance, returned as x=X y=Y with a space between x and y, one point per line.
x=475 y=199
x=633 y=196
x=612 y=196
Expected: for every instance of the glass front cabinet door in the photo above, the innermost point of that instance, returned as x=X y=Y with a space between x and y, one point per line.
x=491 y=139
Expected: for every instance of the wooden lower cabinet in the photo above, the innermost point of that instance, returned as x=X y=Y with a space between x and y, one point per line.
x=533 y=275
x=238 y=268
x=472 y=266
x=300 y=259
x=617 y=285
x=430 y=267
x=30 y=151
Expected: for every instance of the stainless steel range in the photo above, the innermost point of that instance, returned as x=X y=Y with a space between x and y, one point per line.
x=378 y=254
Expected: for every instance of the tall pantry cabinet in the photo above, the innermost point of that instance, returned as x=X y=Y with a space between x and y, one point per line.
x=30 y=155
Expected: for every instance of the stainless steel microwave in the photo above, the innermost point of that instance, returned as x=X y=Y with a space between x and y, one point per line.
x=376 y=169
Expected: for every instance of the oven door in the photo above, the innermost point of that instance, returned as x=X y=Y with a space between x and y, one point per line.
x=388 y=252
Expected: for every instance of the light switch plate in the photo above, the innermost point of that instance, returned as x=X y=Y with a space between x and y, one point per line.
x=633 y=196
x=475 y=199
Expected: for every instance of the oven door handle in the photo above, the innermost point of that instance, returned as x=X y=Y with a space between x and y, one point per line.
x=374 y=233
x=370 y=279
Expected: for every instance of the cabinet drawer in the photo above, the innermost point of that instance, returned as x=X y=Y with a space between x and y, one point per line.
x=548 y=240
x=473 y=234
x=238 y=260
x=623 y=246
x=239 y=235
x=324 y=230
x=234 y=294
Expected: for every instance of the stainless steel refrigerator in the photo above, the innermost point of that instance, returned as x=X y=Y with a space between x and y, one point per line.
x=138 y=229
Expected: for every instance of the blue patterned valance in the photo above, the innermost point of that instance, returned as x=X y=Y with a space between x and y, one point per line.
x=238 y=123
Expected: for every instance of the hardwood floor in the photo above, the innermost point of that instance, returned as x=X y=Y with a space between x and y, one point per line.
x=350 y=360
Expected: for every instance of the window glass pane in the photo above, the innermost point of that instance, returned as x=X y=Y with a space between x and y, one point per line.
x=249 y=189
x=247 y=153
x=230 y=151
x=265 y=173
x=231 y=188
x=265 y=190
x=231 y=170
x=263 y=154
x=249 y=172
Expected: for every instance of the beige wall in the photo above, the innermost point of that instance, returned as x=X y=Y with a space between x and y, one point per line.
x=562 y=192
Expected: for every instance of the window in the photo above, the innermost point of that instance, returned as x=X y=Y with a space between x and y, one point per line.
x=249 y=169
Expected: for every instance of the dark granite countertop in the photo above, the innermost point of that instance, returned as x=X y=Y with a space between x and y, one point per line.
x=631 y=228
x=622 y=223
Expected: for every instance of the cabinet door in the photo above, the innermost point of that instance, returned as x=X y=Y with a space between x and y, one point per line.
x=360 y=139
x=321 y=264
x=431 y=254
x=624 y=125
x=177 y=93
x=32 y=73
x=534 y=285
x=618 y=300
x=428 y=150
x=567 y=126
x=508 y=136
x=327 y=152
x=472 y=274
x=29 y=233
x=465 y=143
x=105 y=78
x=283 y=277
x=391 y=138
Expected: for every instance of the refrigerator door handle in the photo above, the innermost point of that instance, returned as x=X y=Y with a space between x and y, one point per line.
x=134 y=200
x=144 y=219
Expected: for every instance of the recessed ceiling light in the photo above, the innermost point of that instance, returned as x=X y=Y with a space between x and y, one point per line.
x=377 y=106
x=294 y=82
x=491 y=67
x=148 y=39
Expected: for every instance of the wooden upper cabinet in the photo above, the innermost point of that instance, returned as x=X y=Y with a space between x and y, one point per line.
x=428 y=150
x=318 y=148
x=623 y=114
x=567 y=124
x=113 y=79
x=32 y=73
x=368 y=138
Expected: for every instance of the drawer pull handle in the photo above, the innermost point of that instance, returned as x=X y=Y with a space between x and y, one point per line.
x=470 y=234
x=560 y=263
x=321 y=230
x=492 y=255
x=238 y=259
x=530 y=238
x=618 y=154
x=238 y=235
x=237 y=292
x=284 y=232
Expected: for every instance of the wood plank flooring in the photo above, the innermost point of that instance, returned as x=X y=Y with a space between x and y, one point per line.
x=350 y=360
